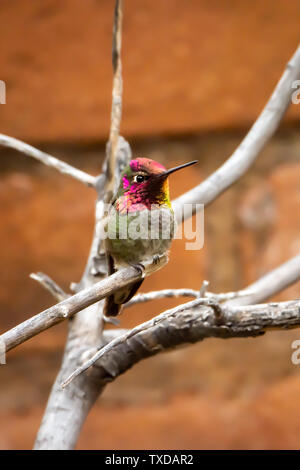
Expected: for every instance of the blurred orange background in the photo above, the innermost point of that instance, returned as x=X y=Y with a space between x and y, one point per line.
x=196 y=75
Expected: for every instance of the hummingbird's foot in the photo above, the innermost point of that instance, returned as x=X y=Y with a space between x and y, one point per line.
x=153 y=263
x=140 y=268
x=156 y=259
x=111 y=320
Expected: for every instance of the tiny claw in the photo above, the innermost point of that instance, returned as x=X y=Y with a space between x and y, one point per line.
x=111 y=320
x=139 y=267
x=156 y=259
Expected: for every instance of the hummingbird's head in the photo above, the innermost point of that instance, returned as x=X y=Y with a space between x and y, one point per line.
x=144 y=182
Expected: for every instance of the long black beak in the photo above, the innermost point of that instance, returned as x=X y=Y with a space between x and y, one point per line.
x=172 y=170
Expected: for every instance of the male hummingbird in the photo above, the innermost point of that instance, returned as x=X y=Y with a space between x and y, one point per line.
x=140 y=224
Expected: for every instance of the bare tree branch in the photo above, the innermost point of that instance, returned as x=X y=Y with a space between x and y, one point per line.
x=184 y=292
x=270 y=284
x=68 y=307
x=48 y=160
x=116 y=109
x=188 y=323
x=248 y=150
x=66 y=412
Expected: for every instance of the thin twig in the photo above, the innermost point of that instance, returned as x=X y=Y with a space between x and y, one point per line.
x=116 y=108
x=50 y=285
x=203 y=288
x=48 y=160
x=161 y=294
x=184 y=292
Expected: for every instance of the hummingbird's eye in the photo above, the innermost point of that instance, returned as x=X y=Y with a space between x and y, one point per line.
x=139 y=178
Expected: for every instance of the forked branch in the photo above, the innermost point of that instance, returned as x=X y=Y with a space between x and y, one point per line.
x=67 y=308
x=273 y=282
x=188 y=323
x=177 y=326
x=176 y=293
x=48 y=160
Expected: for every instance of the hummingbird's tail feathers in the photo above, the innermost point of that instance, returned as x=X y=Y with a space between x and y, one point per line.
x=111 y=309
x=113 y=304
x=110 y=264
x=133 y=289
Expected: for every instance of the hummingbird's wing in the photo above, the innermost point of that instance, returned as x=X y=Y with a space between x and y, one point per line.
x=110 y=264
x=113 y=303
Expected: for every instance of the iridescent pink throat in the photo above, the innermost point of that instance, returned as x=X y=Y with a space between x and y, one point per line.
x=141 y=196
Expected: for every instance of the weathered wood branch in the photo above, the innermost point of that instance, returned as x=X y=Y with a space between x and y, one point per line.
x=268 y=285
x=116 y=108
x=68 y=307
x=184 y=292
x=48 y=160
x=66 y=412
x=249 y=149
x=187 y=323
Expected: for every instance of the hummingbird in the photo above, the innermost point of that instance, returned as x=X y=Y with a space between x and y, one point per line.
x=140 y=223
